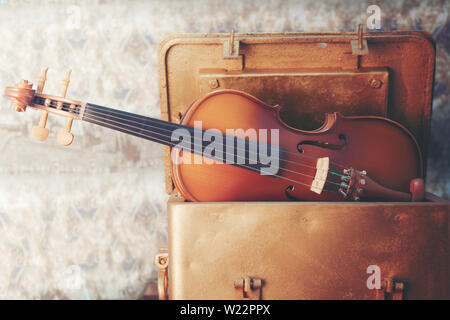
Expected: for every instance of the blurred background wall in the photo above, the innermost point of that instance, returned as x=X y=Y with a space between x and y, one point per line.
x=85 y=221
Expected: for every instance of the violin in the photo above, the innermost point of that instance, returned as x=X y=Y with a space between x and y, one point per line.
x=230 y=146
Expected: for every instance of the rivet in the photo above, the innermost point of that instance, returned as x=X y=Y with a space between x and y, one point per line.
x=375 y=83
x=213 y=83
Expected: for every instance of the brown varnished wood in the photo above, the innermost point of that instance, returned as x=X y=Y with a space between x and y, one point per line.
x=385 y=149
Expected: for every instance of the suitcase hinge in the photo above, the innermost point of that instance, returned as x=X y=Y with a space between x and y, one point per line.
x=248 y=285
x=233 y=61
x=162 y=262
x=391 y=290
x=359 y=46
x=230 y=47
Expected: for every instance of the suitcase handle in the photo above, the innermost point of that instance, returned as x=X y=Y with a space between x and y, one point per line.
x=162 y=262
x=248 y=285
x=391 y=290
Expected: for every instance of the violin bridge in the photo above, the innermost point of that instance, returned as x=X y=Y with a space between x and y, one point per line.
x=322 y=166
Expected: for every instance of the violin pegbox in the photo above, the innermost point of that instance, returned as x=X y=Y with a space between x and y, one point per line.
x=22 y=95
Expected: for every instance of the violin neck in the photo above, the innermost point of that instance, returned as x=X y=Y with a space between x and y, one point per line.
x=164 y=132
x=156 y=130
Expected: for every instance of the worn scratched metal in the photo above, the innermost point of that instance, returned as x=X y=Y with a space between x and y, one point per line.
x=344 y=91
x=308 y=251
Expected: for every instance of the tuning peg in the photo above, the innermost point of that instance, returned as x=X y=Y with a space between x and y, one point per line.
x=40 y=132
x=64 y=137
x=42 y=79
x=65 y=83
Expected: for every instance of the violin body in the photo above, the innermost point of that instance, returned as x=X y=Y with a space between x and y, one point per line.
x=384 y=149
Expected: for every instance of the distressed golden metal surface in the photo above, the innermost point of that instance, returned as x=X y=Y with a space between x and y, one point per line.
x=307 y=250
x=305 y=97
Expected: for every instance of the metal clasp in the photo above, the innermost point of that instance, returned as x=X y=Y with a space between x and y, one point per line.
x=248 y=285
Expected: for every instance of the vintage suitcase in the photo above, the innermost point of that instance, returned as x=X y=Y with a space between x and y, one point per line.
x=305 y=250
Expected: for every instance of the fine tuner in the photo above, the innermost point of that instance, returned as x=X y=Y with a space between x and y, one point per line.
x=22 y=95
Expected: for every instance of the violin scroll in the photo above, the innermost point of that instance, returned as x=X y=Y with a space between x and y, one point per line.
x=21 y=95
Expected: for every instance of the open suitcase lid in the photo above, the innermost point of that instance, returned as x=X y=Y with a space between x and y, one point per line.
x=308 y=74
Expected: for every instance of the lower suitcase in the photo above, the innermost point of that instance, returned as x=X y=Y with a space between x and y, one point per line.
x=306 y=250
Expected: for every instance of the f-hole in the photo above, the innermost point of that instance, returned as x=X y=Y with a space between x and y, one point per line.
x=323 y=144
x=290 y=196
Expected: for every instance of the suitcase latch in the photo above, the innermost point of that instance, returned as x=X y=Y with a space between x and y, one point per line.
x=248 y=285
x=391 y=289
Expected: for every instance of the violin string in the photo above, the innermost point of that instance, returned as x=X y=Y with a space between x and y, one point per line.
x=168 y=130
x=173 y=145
x=137 y=116
x=240 y=165
x=99 y=121
x=165 y=129
x=166 y=136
